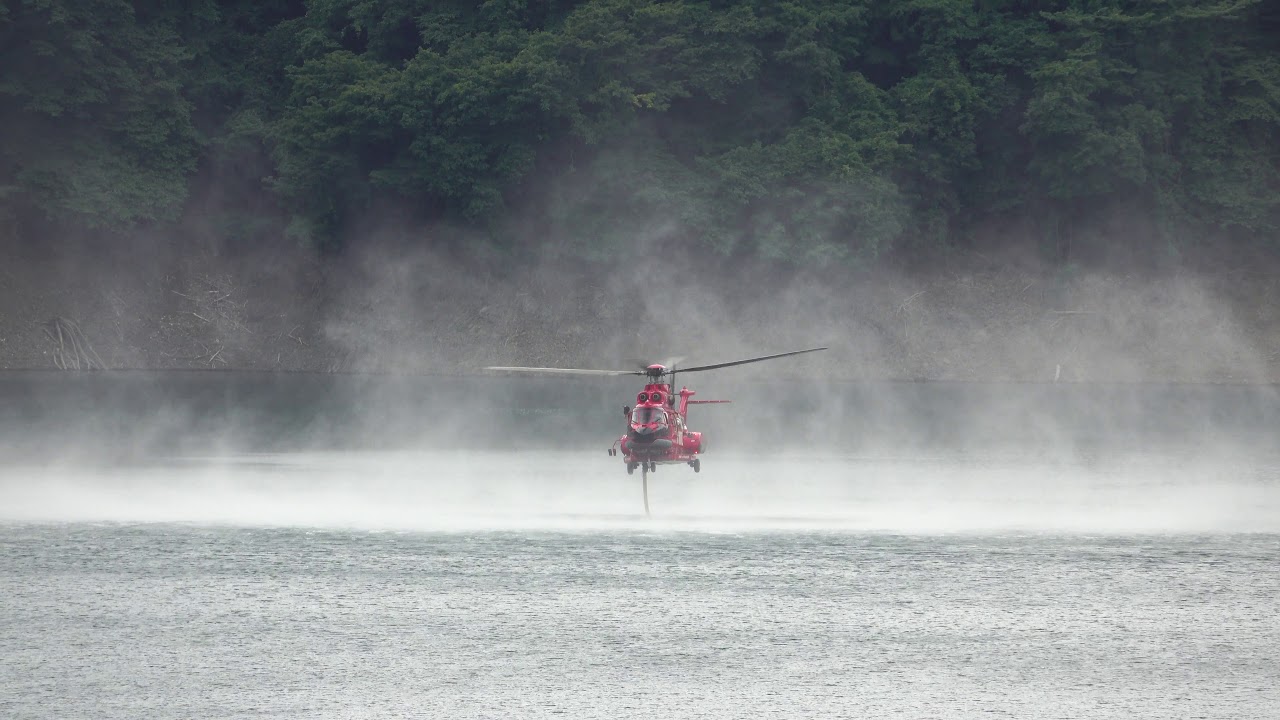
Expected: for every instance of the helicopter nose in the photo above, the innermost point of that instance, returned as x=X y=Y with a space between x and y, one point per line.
x=644 y=433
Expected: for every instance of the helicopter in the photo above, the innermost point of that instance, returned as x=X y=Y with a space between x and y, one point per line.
x=657 y=427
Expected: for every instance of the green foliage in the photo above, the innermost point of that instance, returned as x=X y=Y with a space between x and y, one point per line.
x=633 y=57
x=338 y=121
x=813 y=132
x=624 y=203
x=97 y=126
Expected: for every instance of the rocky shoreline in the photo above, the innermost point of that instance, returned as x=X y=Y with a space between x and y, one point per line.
x=415 y=312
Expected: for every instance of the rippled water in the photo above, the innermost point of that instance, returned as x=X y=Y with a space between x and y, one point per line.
x=464 y=587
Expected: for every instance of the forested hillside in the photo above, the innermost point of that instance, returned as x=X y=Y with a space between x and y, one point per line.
x=814 y=132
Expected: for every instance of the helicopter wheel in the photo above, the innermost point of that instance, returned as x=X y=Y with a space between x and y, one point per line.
x=696 y=464
x=631 y=468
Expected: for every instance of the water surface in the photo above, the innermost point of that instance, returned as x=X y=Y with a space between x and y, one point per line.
x=504 y=585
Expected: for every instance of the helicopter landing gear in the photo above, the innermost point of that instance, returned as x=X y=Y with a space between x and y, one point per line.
x=696 y=464
x=631 y=468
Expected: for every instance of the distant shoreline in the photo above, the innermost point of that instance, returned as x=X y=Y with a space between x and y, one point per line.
x=403 y=312
x=769 y=379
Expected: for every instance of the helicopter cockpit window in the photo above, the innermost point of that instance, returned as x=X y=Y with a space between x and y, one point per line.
x=648 y=415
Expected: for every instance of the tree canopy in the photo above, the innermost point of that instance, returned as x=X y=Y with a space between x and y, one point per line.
x=811 y=132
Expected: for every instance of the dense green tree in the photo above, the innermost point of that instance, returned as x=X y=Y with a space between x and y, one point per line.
x=815 y=132
x=1158 y=108
x=98 y=129
x=801 y=180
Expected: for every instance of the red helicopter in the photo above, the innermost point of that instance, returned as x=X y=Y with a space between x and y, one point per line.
x=657 y=428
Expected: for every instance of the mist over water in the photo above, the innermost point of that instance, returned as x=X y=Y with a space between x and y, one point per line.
x=889 y=553
x=473 y=490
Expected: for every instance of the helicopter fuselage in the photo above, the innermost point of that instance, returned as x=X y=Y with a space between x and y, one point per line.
x=657 y=429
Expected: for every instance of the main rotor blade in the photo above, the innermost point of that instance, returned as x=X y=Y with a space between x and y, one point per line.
x=751 y=360
x=565 y=371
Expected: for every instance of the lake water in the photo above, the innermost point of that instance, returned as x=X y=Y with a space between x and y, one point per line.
x=493 y=585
